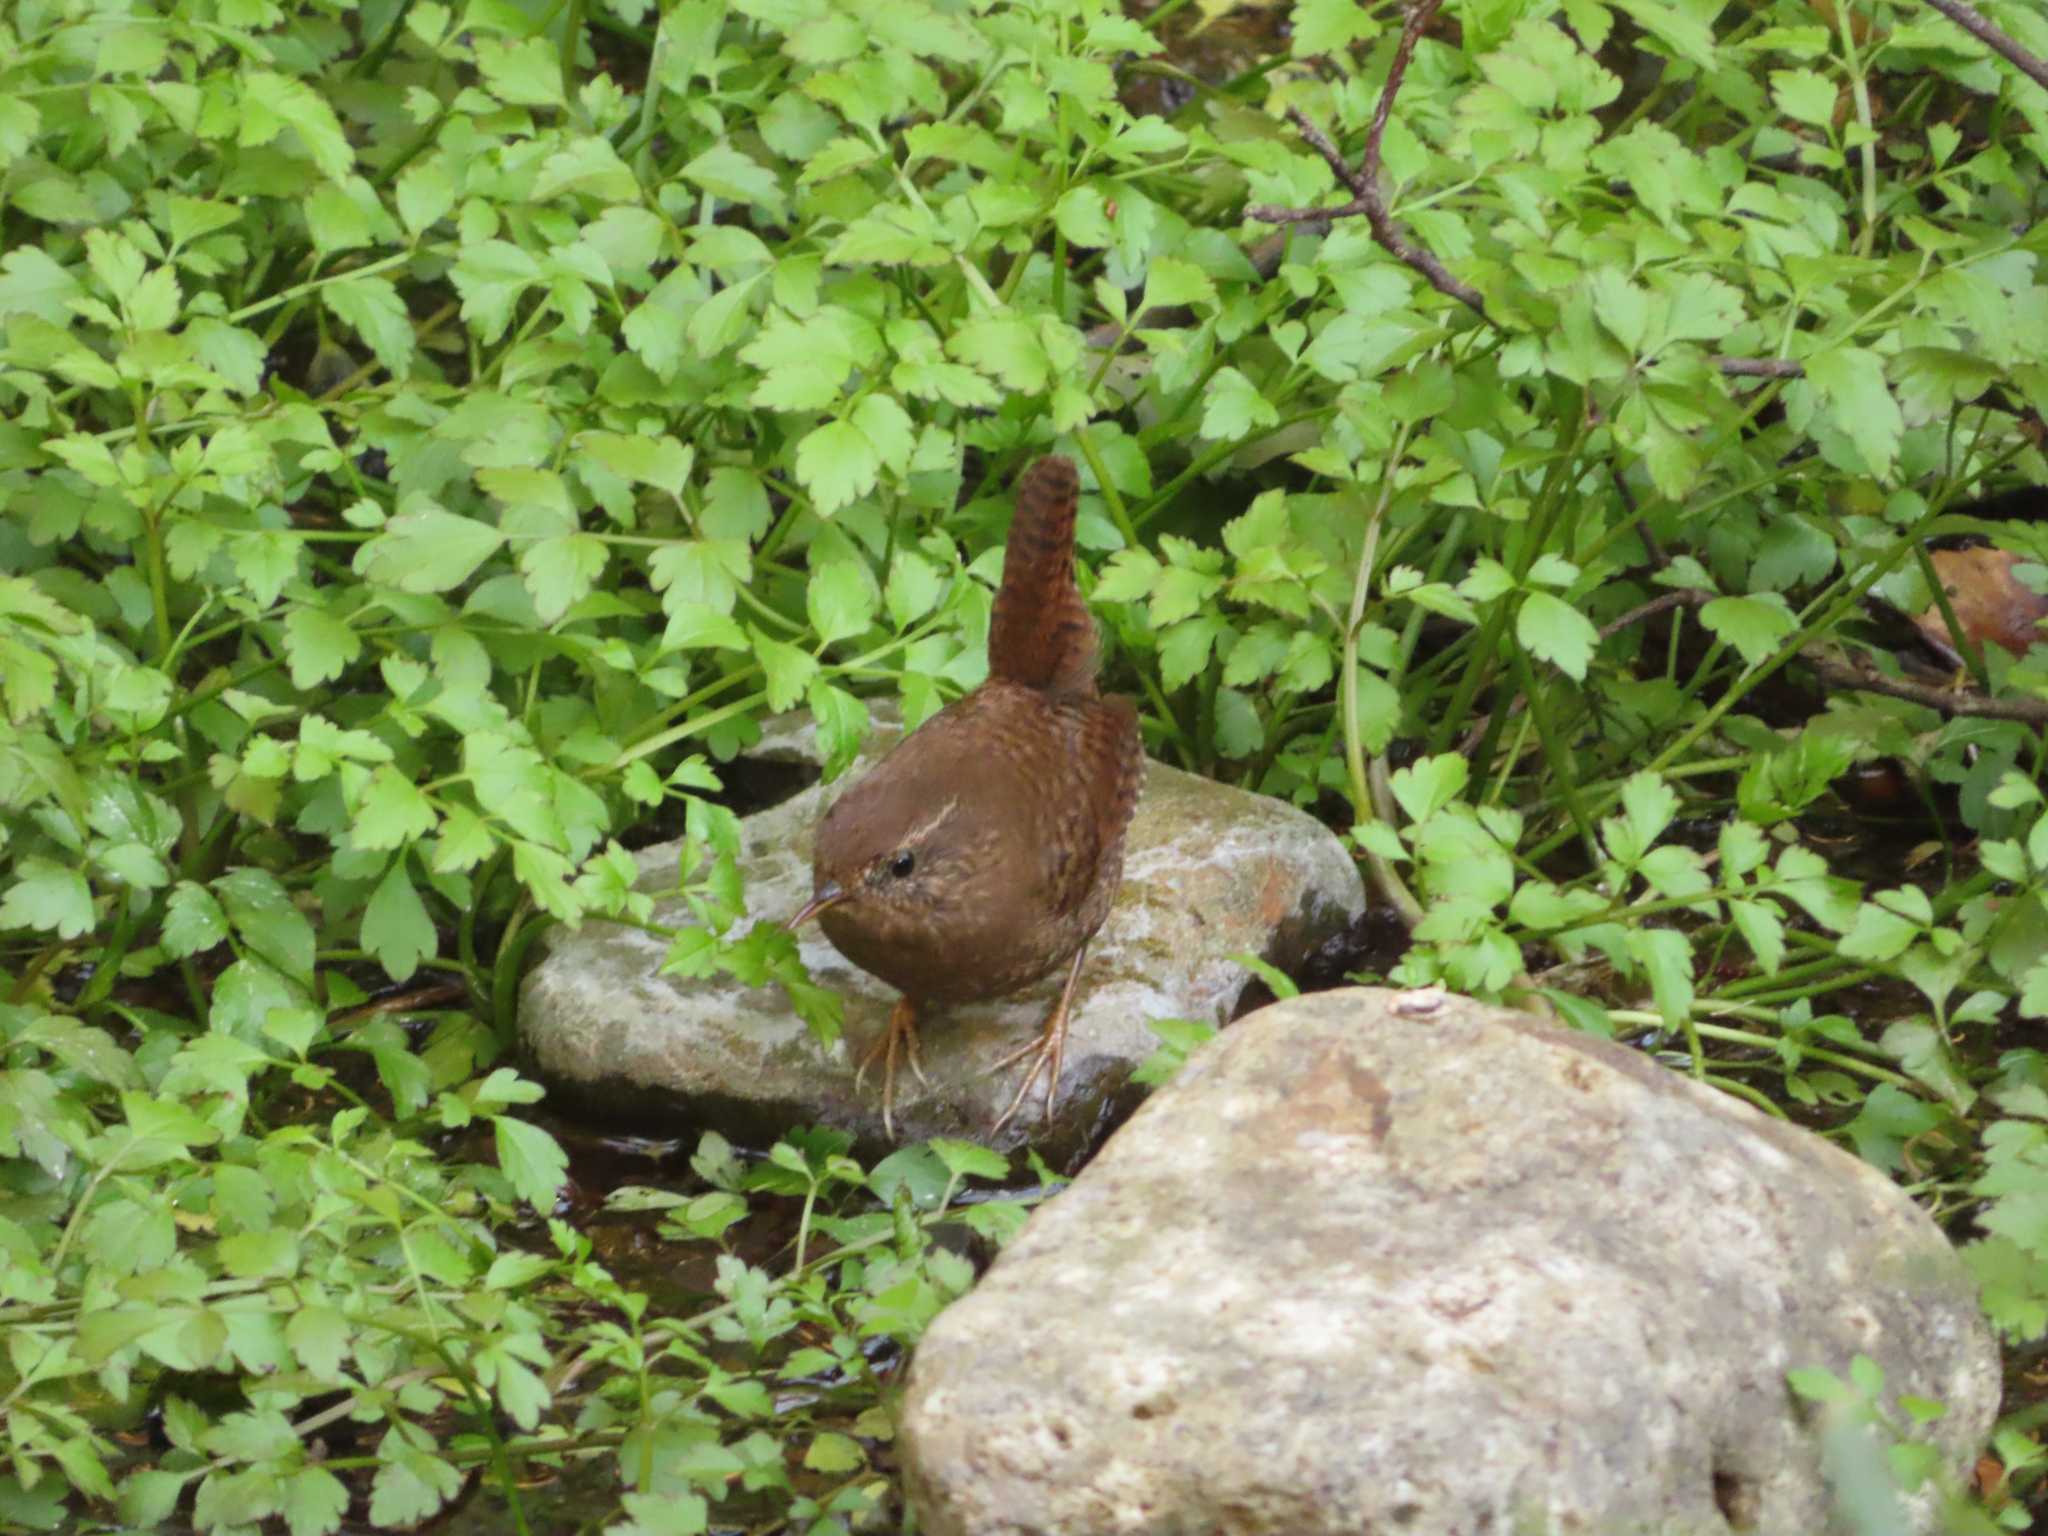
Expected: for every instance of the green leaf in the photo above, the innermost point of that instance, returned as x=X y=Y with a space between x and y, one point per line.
x=1685 y=31
x=786 y=671
x=561 y=572
x=371 y=307
x=667 y=1514
x=1666 y=958
x=410 y=1485
x=1179 y=1038
x=1277 y=981
x=888 y=428
x=1184 y=649
x=1329 y=27
x=48 y=898
x=837 y=464
x=725 y=172
x=525 y=73
x=1081 y=216
x=1552 y=630
x=396 y=928
x=661 y=462
x=424 y=194
x=274 y=105
x=1005 y=347
x=267 y=920
x=914 y=588
x=320 y=1336
x=391 y=811
x=1232 y=407
x=970 y=1160
x=1804 y=96
x=834 y=1453
x=147 y=1499
x=1755 y=626
x=492 y=276
x=1429 y=784
x=1763 y=930
x=841 y=599
x=259 y=1255
x=1238 y=733
x=315 y=1501
x=1851 y=384
x=1878 y=935
x=842 y=725
x=1924 y=1055
x=83 y=1049
x=532 y=1159
x=33 y=283
x=319 y=646
x=700 y=573
x=427 y=551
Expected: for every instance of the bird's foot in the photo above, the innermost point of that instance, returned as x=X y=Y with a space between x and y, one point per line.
x=898 y=1039
x=1047 y=1054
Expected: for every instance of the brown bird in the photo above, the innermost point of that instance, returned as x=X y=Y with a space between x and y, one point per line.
x=985 y=850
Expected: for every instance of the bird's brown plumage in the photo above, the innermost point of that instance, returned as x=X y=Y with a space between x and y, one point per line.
x=986 y=849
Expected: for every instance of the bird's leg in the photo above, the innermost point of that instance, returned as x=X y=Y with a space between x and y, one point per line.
x=899 y=1038
x=1047 y=1053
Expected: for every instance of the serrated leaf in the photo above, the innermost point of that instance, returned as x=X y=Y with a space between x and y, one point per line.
x=371 y=307
x=1804 y=96
x=1755 y=626
x=786 y=671
x=427 y=551
x=725 y=172
x=532 y=1159
x=193 y=920
x=841 y=599
x=1232 y=407
x=837 y=464
x=1552 y=630
x=526 y=73
x=396 y=928
x=1851 y=384
x=319 y=646
x=46 y=897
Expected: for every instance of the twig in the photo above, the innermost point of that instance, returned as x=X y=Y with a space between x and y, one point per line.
x=1947 y=701
x=1689 y=597
x=1367 y=196
x=1760 y=367
x=416 y=1000
x=1973 y=22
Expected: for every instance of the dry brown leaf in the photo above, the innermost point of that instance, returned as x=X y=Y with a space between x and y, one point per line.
x=1991 y=605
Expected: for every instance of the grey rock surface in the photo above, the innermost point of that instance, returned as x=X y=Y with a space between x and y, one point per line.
x=1387 y=1262
x=1209 y=872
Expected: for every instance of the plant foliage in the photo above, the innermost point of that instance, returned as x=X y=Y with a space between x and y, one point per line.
x=431 y=441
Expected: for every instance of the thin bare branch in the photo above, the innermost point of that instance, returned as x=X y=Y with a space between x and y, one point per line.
x=1368 y=197
x=1688 y=597
x=1948 y=701
x=1973 y=22
x=1760 y=367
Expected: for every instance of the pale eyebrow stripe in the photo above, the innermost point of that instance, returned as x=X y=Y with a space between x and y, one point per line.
x=931 y=823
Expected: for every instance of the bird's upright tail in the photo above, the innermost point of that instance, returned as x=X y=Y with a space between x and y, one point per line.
x=1041 y=634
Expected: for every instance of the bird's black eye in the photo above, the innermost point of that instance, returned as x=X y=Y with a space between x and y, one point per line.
x=903 y=864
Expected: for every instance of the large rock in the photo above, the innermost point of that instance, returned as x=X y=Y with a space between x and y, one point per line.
x=1396 y=1262
x=1209 y=872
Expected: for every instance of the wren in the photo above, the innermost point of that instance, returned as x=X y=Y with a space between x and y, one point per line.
x=984 y=852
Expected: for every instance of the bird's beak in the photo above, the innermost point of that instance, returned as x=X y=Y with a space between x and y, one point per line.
x=827 y=895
